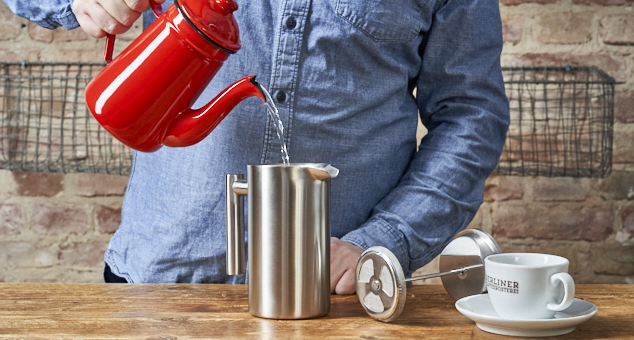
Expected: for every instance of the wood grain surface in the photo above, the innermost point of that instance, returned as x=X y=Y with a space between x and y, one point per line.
x=185 y=311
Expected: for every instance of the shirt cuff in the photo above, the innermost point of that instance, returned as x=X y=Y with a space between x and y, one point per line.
x=378 y=232
x=68 y=20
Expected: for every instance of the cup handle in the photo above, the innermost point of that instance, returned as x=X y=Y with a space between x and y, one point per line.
x=569 y=291
x=107 y=54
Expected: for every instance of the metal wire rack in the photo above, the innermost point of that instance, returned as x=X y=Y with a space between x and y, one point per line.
x=561 y=122
x=45 y=125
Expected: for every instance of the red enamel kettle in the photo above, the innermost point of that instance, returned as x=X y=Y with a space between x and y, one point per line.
x=144 y=96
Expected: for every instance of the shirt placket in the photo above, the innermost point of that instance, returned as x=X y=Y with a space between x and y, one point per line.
x=285 y=67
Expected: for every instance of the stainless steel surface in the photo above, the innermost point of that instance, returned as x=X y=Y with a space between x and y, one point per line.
x=380 y=284
x=459 y=271
x=235 y=225
x=289 y=239
x=476 y=245
x=467 y=283
x=486 y=242
x=240 y=186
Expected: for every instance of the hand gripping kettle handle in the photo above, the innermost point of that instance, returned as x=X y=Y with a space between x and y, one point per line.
x=107 y=54
x=236 y=187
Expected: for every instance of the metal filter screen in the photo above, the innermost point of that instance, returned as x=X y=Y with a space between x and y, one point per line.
x=45 y=125
x=561 y=122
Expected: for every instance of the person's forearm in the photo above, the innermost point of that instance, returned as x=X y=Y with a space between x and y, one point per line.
x=463 y=105
x=48 y=14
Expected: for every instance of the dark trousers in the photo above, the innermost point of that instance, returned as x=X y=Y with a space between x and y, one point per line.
x=109 y=277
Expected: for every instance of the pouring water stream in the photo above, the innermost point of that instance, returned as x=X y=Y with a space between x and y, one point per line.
x=275 y=116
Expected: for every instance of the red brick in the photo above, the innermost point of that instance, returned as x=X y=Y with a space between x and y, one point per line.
x=512 y=28
x=562 y=222
x=503 y=188
x=624 y=107
x=61 y=34
x=22 y=254
x=19 y=54
x=38 y=183
x=627 y=220
x=78 y=55
x=10 y=25
x=11 y=219
x=83 y=254
x=107 y=219
x=534 y=142
x=622 y=148
x=612 y=259
x=560 y=189
x=59 y=220
x=613 y=64
x=603 y=2
x=563 y=28
x=618 y=186
x=90 y=185
x=617 y=29
x=39 y=33
x=520 y=2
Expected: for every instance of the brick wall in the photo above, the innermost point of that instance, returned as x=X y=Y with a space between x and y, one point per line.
x=55 y=227
x=588 y=221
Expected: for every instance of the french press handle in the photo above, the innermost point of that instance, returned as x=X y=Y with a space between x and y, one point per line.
x=236 y=188
x=107 y=54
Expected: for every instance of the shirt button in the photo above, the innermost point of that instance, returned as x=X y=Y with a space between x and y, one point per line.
x=291 y=23
x=280 y=96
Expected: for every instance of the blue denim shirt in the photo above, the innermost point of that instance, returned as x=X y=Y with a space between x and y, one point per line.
x=355 y=75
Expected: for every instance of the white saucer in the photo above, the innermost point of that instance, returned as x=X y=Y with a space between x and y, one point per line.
x=479 y=309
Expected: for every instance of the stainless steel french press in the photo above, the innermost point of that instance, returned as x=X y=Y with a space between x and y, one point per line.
x=288 y=238
x=381 y=284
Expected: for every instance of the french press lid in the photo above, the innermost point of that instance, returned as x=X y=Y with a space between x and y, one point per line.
x=214 y=20
x=470 y=247
x=381 y=285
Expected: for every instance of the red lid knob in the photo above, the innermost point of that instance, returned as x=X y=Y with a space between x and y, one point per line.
x=228 y=6
x=214 y=18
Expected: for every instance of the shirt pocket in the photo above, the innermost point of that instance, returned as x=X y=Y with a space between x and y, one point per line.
x=382 y=20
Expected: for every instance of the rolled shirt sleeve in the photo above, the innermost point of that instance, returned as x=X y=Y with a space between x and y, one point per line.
x=46 y=13
x=461 y=100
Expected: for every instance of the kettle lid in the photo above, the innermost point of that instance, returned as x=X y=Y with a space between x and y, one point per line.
x=214 y=19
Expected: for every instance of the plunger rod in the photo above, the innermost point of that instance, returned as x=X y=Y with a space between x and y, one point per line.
x=451 y=272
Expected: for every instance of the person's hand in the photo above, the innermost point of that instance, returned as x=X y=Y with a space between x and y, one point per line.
x=98 y=17
x=343 y=263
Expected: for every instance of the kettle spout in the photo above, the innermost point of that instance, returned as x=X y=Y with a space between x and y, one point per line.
x=192 y=126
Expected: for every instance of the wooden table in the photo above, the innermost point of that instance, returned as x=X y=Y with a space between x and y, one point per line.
x=183 y=311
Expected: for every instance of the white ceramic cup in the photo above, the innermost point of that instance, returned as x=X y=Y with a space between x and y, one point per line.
x=527 y=285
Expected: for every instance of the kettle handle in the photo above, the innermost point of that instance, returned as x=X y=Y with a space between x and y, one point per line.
x=107 y=54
